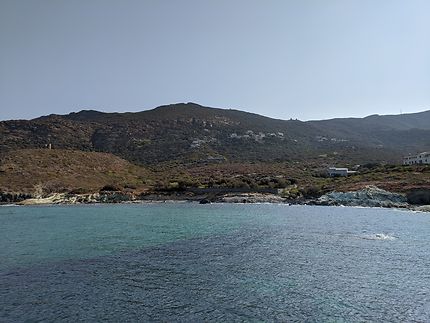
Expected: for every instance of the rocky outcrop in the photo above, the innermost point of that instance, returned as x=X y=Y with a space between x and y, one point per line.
x=422 y=208
x=250 y=198
x=67 y=198
x=115 y=197
x=61 y=198
x=7 y=198
x=370 y=196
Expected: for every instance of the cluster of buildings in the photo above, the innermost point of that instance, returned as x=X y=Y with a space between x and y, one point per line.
x=322 y=139
x=421 y=158
x=197 y=143
x=257 y=136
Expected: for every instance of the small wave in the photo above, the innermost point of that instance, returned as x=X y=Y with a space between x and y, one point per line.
x=378 y=236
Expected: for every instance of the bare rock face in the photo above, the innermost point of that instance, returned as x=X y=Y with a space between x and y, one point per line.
x=370 y=196
x=65 y=198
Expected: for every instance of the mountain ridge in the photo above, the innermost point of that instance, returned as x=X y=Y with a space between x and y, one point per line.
x=193 y=104
x=189 y=132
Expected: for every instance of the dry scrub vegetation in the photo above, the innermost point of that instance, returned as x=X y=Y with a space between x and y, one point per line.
x=44 y=171
x=36 y=170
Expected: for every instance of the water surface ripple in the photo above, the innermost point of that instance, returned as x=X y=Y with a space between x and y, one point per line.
x=214 y=263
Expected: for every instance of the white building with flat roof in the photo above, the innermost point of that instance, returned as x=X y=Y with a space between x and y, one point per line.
x=339 y=171
x=421 y=158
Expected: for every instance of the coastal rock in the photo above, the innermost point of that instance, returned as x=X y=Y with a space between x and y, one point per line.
x=205 y=201
x=114 y=197
x=251 y=198
x=67 y=198
x=57 y=198
x=370 y=196
x=422 y=208
x=6 y=197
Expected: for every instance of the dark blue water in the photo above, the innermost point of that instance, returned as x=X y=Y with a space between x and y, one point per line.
x=186 y=262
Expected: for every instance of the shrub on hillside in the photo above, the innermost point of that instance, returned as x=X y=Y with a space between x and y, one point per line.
x=370 y=166
x=53 y=187
x=311 y=191
x=419 y=196
x=80 y=190
x=110 y=188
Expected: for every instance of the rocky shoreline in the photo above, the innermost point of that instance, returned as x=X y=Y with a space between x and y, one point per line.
x=370 y=196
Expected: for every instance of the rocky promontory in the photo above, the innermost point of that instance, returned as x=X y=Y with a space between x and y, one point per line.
x=370 y=196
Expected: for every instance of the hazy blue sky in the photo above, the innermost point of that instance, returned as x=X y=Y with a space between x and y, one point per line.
x=306 y=59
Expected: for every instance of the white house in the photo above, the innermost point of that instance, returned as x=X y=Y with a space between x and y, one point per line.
x=335 y=171
x=421 y=158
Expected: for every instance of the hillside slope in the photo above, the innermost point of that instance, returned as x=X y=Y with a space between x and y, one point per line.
x=406 y=133
x=190 y=133
x=44 y=170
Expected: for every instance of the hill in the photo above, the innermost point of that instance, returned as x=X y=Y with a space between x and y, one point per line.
x=407 y=133
x=188 y=133
x=45 y=171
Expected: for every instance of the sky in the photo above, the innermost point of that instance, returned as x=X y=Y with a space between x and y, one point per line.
x=305 y=59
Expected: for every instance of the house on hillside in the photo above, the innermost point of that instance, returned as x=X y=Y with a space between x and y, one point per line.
x=421 y=158
x=336 y=171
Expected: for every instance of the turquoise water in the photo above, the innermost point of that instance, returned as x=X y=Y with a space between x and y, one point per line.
x=31 y=235
x=190 y=262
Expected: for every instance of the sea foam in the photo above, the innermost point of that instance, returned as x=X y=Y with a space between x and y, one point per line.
x=378 y=236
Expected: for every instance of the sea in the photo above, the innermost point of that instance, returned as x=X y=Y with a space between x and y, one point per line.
x=185 y=262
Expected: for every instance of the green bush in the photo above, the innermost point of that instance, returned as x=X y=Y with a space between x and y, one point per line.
x=311 y=191
x=110 y=188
